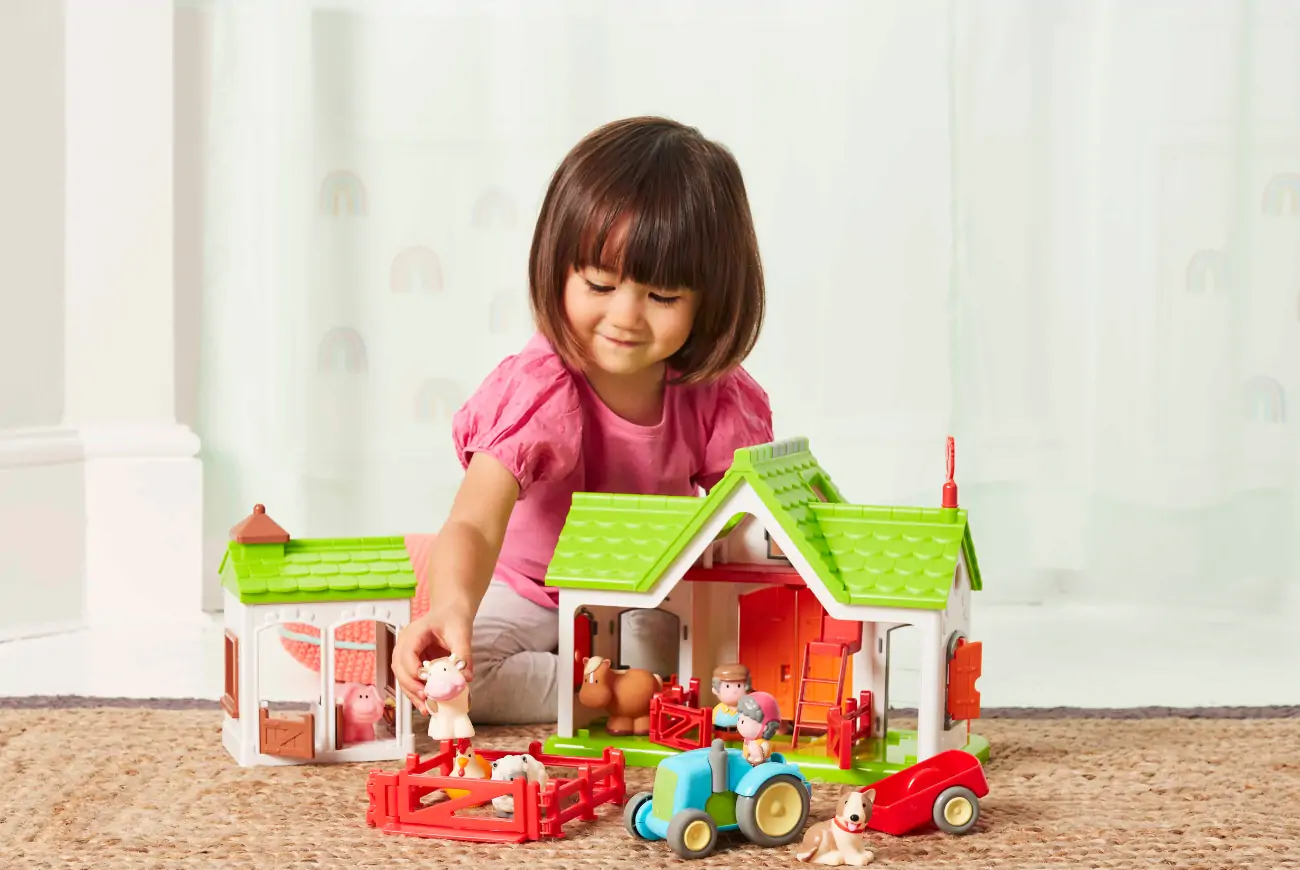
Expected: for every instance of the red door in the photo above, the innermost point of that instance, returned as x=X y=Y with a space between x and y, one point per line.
x=776 y=625
x=769 y=643
x=583 y=629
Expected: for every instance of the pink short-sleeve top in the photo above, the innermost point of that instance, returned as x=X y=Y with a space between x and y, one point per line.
x=544 y=422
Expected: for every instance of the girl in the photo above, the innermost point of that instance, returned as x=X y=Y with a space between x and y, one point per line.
x=757 y=719
x=647 y=290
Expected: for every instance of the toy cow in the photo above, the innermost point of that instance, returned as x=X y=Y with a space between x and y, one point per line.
x=447 y=698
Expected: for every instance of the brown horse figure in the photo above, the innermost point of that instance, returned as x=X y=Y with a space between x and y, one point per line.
x=623 y=694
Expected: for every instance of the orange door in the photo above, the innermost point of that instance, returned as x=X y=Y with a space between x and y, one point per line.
x=822 y=667
x=769 y=644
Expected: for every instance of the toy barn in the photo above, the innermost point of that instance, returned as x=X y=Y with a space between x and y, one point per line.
x=775 y=570
x=344 y=592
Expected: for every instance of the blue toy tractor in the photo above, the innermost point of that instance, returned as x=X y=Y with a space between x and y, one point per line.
x=700 y=793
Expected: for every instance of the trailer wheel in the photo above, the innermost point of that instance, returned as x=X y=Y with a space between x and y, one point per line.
x=956 y=810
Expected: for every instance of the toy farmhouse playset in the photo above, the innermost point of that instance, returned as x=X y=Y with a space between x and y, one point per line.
x=775 y=574
x=782 y=596
x=348 y=592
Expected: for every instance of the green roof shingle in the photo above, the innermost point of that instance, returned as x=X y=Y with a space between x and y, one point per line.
x=864 y=555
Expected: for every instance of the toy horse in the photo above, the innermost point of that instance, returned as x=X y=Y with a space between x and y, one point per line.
x=625 y=695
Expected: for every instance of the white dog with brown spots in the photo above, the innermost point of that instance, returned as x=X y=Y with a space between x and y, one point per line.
x=840 y=840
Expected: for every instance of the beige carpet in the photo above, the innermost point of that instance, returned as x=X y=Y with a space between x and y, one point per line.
x=137 y=788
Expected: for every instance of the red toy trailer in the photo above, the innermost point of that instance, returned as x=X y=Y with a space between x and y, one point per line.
x=944 y=790
x=395 y=798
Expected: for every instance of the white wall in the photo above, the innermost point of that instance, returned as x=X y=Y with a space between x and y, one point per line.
x=41 y=488
x=100 y=493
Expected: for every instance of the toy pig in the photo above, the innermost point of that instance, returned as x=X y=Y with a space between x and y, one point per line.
x=841 y=840
x=362 y=708
x=447 y=698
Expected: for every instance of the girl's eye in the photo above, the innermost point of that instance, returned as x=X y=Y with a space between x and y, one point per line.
x=665 y=300
x=598 y=288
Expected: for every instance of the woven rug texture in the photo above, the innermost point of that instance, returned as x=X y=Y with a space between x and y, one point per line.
x=131 y=788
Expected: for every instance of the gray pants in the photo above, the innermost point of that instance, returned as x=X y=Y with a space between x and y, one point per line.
x=515 y=661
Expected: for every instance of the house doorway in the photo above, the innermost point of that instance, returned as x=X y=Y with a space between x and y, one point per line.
x=902 y=652
x=365 y=687
x=288 y=700
x=649 y=638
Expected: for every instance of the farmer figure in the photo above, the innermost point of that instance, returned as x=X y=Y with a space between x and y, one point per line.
x=730 y=684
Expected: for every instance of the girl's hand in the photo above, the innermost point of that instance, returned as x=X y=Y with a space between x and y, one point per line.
x=436 y=634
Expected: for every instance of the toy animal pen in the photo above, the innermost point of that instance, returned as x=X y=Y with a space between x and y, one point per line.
x=539 y=811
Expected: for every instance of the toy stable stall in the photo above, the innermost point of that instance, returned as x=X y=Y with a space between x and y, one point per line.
x=774 y=569
x=274 y=708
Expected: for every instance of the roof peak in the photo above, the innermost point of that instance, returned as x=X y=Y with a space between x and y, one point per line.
x=258 y=528
x=747 y=457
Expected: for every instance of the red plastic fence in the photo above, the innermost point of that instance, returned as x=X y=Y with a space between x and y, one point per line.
x=395 y=797
x=675 y=713
x=846 y=727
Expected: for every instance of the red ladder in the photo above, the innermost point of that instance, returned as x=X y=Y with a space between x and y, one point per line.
x=801 y=720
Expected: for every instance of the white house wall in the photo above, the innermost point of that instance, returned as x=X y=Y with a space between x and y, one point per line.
x=250 y=621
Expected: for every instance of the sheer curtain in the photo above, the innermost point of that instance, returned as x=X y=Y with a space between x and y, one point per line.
x=1066 y=233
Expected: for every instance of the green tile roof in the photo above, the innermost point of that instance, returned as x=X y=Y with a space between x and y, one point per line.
x=864 y=555
x=903 y=557
x=318 y=570
x=620 y=541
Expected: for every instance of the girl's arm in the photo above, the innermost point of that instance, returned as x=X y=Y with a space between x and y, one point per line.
x=461 y=565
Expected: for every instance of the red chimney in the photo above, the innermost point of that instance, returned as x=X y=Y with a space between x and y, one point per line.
x=950 y=488
x=258 y=528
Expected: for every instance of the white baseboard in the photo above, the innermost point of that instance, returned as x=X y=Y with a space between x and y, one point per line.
x=42 y=531
x=38 y=630
x=144 y=524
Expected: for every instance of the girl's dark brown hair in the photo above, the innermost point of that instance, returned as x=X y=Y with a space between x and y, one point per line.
x=689 y=227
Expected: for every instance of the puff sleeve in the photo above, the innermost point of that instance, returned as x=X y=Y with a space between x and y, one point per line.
x=742 y=417
x=528 y=416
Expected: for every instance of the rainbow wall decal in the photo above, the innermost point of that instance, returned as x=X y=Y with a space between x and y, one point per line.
x=342 y=193
x=1265 y=400
x=437 y=400
x=494 y=208
x=415 y=270
x=1208 y=272
x=505 y=311
x=341 y=350
x=1282 y=195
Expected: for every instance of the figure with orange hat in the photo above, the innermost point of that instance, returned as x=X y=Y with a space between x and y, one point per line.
x=757 y=719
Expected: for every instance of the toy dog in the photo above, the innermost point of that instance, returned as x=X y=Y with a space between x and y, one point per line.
x=840 y=840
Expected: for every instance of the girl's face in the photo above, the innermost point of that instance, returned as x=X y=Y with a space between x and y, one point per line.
x=625 y=327
x=749 y=728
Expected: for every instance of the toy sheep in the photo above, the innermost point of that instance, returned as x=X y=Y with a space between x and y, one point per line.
x=512 y=767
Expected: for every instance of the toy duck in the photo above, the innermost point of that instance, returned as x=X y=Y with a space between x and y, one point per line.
x=467 y=764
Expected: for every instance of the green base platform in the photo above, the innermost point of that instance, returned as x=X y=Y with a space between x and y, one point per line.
x=875 y=759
